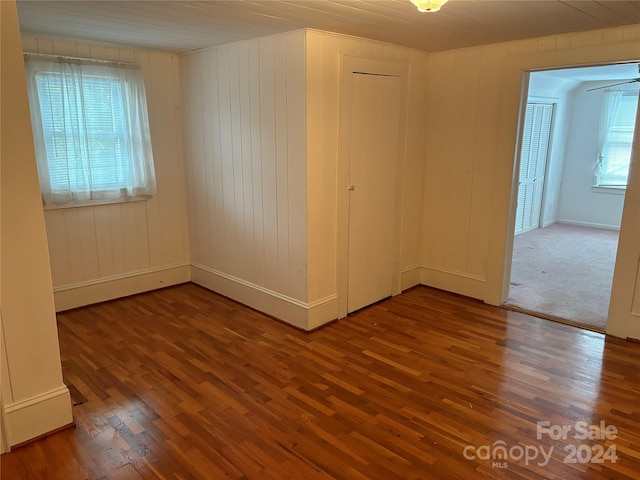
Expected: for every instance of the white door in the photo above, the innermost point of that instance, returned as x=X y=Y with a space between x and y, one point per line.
x=374 y=145
x=533 y=163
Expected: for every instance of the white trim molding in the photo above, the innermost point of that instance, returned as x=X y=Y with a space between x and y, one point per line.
x=4 y=444
x=303 y=315
x=409 y=277
x=458 y=282
x=117 y=286
x=5 y=389
x=603 y=226
x=38 y=415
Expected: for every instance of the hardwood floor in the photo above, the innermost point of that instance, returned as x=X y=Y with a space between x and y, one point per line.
x=182 y=384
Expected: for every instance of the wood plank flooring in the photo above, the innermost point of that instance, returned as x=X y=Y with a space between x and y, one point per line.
x=181 y=383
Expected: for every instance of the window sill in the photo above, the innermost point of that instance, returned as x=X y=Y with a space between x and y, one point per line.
x=609 y=190
x=95 y=203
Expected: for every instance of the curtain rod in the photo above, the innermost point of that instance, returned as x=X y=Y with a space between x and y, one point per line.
x=79 y=60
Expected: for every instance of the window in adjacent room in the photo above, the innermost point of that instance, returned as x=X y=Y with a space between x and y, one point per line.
x=617 y=125
x=91 y=131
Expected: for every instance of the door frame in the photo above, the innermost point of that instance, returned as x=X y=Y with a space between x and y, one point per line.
x=5 y=390
x=515 y=180
x=624 y=304
x=351 y=64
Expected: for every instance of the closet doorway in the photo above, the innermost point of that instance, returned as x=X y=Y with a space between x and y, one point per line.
x=536 y=137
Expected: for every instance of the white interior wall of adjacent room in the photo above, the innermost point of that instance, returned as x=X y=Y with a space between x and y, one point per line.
x=108 y=251
x=580 y=204
x=553 y=89
x=470 y=157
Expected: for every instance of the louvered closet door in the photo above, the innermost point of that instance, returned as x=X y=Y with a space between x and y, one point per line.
x=533 y=163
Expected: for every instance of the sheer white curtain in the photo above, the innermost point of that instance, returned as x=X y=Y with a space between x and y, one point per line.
x=611 y=103
x=91 y=131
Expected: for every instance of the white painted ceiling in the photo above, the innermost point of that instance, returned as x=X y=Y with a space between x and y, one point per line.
x=179 y=26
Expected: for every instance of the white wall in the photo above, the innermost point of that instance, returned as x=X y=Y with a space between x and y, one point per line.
x=109 y=251
x=555 y=90
x=35 y=400
x=325 y=53
x=261 y=141
x=579 y=203
x=245 y=144
x=474 y=109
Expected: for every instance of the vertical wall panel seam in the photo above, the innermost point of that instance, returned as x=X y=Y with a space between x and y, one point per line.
x=264 y=263
x=252 y=162
x=207 y=152
x=275 y=163
x=473 y=166
x=288 y=190
x=225 y=260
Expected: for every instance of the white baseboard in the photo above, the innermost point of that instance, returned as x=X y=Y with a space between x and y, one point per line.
x=36 y=416
x=603 y=226
x=322 y=311
x=409 y=277
x=108 y=288
x=4 y=444
x=548 y=223
x=305 y=316
x=458 y=282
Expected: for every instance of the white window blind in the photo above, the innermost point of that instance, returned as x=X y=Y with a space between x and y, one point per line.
x=91 y=131
x=618 y=125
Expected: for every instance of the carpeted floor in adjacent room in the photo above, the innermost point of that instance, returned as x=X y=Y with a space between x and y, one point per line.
x=564 y=272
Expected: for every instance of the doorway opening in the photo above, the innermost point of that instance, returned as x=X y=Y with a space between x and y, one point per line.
x=575 y=150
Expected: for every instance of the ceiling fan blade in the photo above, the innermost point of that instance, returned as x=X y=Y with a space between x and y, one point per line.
x=613 y=85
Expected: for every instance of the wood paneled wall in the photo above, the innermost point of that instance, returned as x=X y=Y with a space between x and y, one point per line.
x=261 y=142
x=100 y=252
x=474 y=108
x=245 y=145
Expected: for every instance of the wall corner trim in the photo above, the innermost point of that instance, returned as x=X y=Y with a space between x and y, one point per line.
x=461 y=283
x=409 y=277
x=38 y=415
x=303 y=315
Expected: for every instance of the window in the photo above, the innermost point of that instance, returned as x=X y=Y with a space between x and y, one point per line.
x=91 y=131
x=616 y=132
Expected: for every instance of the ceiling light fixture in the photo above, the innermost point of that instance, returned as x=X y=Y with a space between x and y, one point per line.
x=429 y=5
